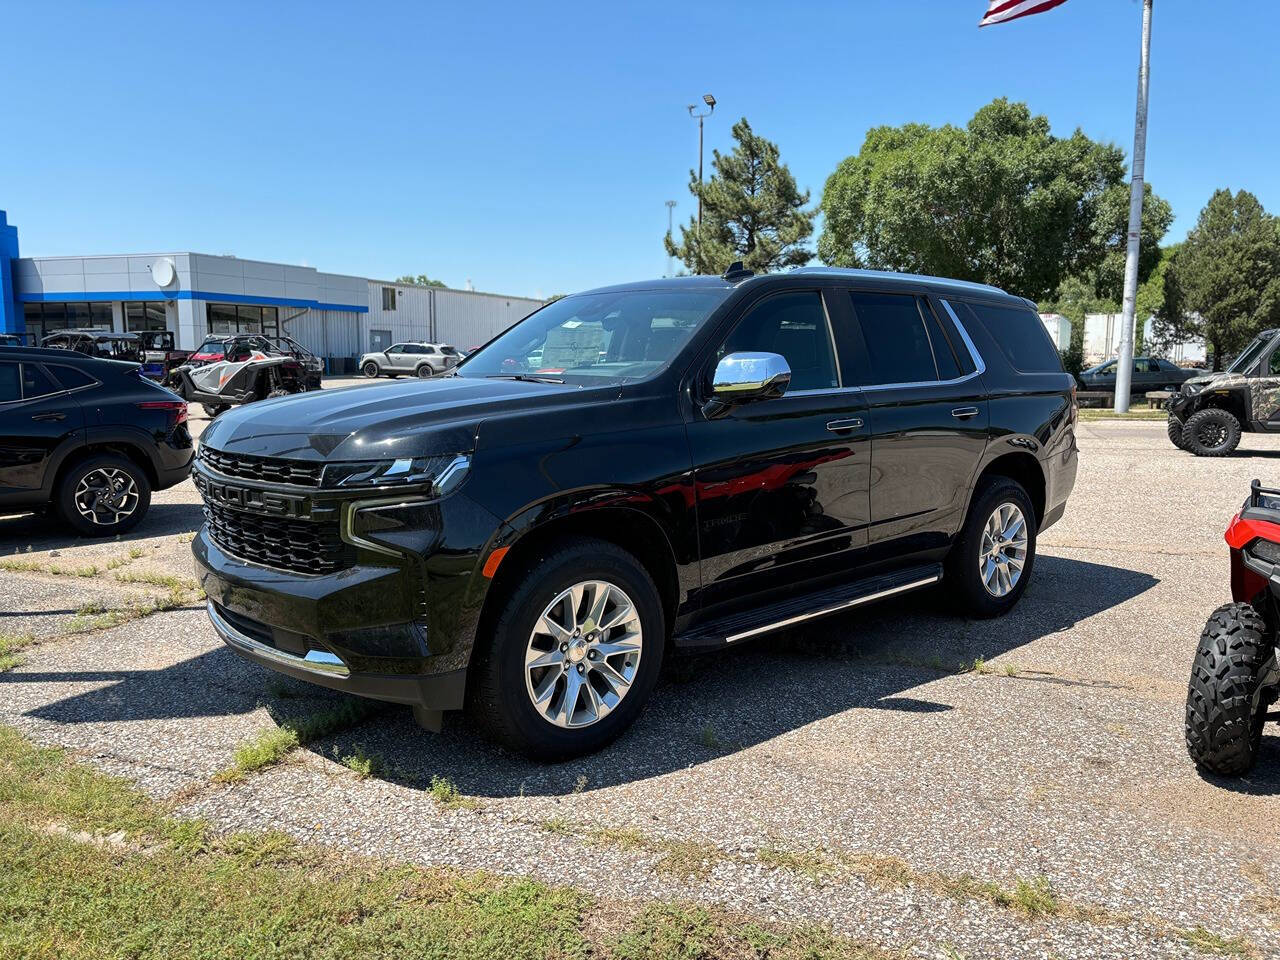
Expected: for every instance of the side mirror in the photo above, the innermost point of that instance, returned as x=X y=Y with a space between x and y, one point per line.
x=747 y=377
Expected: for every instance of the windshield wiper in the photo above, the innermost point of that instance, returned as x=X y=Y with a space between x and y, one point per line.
x=526 y=377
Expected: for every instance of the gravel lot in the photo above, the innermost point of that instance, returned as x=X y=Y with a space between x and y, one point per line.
x=778 y=777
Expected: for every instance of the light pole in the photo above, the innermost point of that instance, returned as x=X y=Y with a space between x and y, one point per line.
x=671 y=205
x=710 y=101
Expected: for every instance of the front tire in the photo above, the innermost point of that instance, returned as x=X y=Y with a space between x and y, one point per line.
x=213 y=410
x=1223 y=727
x=103 y=496
x=991 y=562
x=370 y=370
x=574 y=653
x=1177 y=432
x=1212 y=432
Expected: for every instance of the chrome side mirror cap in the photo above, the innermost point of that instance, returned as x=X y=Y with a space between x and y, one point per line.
x=746 y=377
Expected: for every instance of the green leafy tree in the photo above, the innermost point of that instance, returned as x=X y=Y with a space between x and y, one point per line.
x=752 y=211
x=421 y=280
x=1000 y=201
x=1223 y=283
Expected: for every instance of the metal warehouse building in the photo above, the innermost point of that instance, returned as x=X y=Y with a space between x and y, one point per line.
x=336 y=316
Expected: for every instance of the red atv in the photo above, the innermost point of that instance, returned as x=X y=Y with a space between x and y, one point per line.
x=1235 y=678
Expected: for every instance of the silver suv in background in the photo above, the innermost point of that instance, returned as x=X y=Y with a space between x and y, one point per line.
x=410 y=359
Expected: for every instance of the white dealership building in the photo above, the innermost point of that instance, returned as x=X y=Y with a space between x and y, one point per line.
x=337 y=316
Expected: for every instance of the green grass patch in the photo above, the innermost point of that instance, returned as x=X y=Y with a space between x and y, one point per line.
x=93 y=870
x=271 y=746
x=363 y=764
x=11 y=646
x=445 y=792
x=1205 y=941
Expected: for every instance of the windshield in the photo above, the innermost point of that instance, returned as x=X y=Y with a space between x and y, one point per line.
x=215 y=348
x=597 y=338
x=1247 y=356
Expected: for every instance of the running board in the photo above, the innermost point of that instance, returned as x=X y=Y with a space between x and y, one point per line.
x=808 y=607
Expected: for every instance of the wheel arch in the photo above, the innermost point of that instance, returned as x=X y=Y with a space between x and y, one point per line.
x=1024 y=469
x=1232 y=401
x=116 y=446
x=629 y=529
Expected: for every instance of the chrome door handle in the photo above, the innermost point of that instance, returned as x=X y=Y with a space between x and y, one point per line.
x=964 y=413
x=48 y=416
x=852 y=423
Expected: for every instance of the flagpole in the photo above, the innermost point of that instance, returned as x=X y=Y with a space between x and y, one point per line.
x=1124 y=366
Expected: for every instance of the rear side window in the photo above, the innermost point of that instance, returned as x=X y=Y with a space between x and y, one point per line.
x=10 y=383
x=70 y=377
x=899 y=349
x=36 y=383
x=1019 y=334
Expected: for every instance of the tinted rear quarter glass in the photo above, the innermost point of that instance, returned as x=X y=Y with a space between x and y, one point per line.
x=1019 y=334
x=70 y=377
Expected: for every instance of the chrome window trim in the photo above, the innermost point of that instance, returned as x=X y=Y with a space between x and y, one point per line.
x=979 y=364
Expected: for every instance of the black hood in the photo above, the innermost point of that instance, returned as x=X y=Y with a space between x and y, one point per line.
x=412 y=419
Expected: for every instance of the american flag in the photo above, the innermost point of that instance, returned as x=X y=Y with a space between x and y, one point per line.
x=999 y=11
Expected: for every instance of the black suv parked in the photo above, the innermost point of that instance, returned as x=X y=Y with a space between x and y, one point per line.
x=90 y=438
x=692 y=461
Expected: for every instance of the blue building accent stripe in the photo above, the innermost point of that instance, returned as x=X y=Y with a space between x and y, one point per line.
x=159 y=295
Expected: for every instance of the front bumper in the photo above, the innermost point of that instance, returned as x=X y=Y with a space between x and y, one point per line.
x=350 y=630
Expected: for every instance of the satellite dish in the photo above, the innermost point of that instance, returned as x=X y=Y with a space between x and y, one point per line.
x=163 y=273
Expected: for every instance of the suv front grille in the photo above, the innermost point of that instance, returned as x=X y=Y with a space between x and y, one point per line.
x=267 y=469
x=296 y=545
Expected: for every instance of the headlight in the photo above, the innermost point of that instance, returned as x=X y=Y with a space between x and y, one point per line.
x=442 y=474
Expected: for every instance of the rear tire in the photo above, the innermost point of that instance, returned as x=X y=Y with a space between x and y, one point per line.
x=278 y=392
x=1224 y=731
x=424 y=371
x=212 y=410
x=501 y=699
x=1212 y=432
x=1177 y=433
x=103 y=496
x=975 y=556
x=370 y=370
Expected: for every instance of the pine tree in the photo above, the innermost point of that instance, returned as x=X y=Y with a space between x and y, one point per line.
x=752 y=211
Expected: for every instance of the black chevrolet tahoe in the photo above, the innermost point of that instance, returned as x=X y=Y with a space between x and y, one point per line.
x=679 y=463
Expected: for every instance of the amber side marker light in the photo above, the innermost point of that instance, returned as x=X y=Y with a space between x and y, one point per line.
x=491 y=565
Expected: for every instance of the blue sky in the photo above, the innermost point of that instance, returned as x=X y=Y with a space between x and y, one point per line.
x=530 y=147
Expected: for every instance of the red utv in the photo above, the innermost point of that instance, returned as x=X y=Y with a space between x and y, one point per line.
x=1235 y=678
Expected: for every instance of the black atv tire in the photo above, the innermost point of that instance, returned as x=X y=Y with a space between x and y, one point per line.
x=1224 y=730
x=278 y=392
x=1177 y=433
x=212 y=410
x=499 y=701
x=964 y=580
x=1212 y=432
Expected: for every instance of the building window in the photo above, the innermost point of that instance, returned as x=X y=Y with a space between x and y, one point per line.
x=43 y=319
x=144 y=316
x=229 y=318
x=388 y=298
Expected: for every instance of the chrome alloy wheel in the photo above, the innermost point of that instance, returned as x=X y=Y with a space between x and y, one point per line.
x=106 y=496
x=583 y=654
x=1003 y=553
